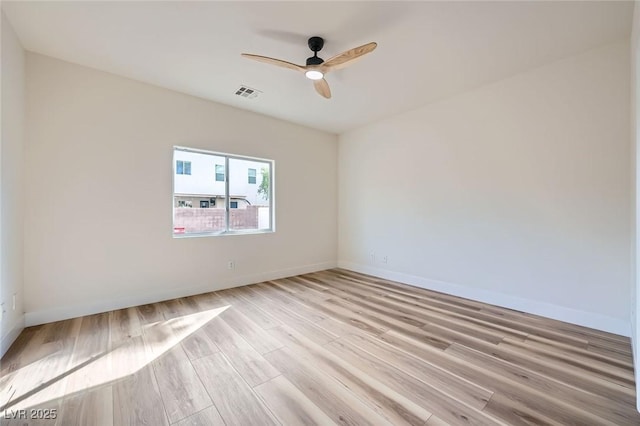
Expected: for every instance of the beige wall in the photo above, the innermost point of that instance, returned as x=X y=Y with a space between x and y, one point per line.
x=516 y=193
x=94 y=135
x=11 y=185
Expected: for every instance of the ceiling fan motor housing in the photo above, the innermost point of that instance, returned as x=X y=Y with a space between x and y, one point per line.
x=315 y=44
x=314 y=60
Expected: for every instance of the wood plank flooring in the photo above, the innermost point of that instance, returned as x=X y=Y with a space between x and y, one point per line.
x=332 y=347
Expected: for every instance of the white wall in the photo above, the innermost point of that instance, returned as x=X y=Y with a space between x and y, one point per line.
x=96 y=143
x=516 y=193
x=635 y=132
x=11 y=185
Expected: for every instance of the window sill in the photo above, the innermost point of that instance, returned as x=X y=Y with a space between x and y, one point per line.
x=223 y=234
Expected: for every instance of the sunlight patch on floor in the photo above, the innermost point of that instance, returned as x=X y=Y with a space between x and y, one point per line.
x=56 y=375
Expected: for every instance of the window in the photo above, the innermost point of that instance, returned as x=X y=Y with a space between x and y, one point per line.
x=183 y=167
x=238 y=200
x=219 y=173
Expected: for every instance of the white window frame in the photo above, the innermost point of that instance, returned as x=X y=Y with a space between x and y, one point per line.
x=227 y=207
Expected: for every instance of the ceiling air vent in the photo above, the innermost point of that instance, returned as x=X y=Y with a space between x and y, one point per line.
x=247 y=92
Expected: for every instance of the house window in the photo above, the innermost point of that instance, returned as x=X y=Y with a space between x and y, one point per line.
x=230 y=207
x=183 y=167
x=219 y=173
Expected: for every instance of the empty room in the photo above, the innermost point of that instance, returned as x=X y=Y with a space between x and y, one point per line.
x=318 y=212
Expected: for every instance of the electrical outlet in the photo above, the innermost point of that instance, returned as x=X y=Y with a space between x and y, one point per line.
x=372 y=257
x=384 y=259
x=231 y=264
x=14 y=301
x=2 y=310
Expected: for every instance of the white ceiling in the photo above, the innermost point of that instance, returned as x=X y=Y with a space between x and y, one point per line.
x=426 y=50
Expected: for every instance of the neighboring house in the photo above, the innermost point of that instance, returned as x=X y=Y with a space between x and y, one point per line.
x=199 y=181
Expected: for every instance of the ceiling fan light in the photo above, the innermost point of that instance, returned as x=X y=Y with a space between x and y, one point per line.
x=314 y=75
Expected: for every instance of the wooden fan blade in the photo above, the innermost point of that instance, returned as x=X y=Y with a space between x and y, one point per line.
x=322 y=87
x=345 y=58
x=273 y=61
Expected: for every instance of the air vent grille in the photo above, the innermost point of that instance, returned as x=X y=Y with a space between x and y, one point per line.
x=248 y=92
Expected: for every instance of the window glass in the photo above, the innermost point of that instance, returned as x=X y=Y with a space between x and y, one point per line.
x=238 y=199
x=219 y=173
x=252 y=209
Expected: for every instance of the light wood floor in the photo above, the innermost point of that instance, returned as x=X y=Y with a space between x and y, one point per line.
x=322 y=348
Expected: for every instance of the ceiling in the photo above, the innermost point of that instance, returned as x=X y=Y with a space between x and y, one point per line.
x=426 y=50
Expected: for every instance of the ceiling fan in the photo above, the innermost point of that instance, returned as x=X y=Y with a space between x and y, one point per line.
x=316 y=67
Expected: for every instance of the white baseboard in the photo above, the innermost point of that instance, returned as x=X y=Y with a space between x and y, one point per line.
x=66 y=312
x=561 y=313
x=11 y=336
x=634 y=353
